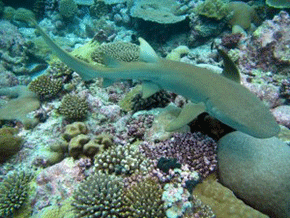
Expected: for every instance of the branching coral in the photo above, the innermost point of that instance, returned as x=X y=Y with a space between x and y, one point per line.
x=45 y=87
x=122 y=160
x=100 y=195
x=13 y=192
x=73 y=107
x=196 y=150
x=145 y=198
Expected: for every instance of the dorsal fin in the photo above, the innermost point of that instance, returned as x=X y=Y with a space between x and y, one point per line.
x=147 y=53
x=230 y=71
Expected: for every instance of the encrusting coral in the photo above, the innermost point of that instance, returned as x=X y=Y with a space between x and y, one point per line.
x=45 y=86
x=13 y=192
x=223 y=201
x=9 y=143
x=73 y=107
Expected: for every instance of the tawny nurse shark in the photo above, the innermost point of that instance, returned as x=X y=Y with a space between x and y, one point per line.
x=222 y=96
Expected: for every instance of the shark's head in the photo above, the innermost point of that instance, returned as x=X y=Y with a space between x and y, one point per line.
x=252 y=116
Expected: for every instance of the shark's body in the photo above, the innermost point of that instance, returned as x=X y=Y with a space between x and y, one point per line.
x=223 y=97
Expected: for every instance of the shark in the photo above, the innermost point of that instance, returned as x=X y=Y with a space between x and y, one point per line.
x=220 y=95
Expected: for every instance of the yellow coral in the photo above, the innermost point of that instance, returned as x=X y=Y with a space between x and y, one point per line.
x=223 y=201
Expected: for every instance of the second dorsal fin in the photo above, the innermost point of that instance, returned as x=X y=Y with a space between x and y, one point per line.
x=230 y=71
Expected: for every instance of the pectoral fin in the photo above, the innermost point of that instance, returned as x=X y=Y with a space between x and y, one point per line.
x=188 y=113
x=149 y=88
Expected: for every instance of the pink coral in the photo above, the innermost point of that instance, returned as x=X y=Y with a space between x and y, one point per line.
x=196 y=150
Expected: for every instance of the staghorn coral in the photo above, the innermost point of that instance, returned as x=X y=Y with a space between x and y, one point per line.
x=13 y=192
x=122 y=160
x=196 y=150
x=100 y=195
x=45 y=86
x=122 y=51
x=67 y=9
x=73 y=107
x=145 y=198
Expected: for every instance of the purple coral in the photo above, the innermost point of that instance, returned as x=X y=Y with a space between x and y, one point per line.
x=196 y=150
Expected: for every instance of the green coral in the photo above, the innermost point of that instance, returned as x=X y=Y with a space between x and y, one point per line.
x=100 y=195
x=145 y=198
x=9 y=144
x=67 y=8
x=122 y=51
x=216 y=9
x=13 y=192
x=73 y=107
x=45 y=86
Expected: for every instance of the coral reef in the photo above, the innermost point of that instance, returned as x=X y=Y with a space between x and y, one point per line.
x=73 y=107
x=257 y=171
x=144 y=198
x=267 y=49
x=100 y=195
x=74 y=129
x=14 y=192
x=194 y=149
x=45 y=86
x=56 y=183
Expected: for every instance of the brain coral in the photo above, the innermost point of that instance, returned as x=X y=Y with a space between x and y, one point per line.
x=73 y=107
x=122 y=51
x=100 y=195
x=13 y=192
